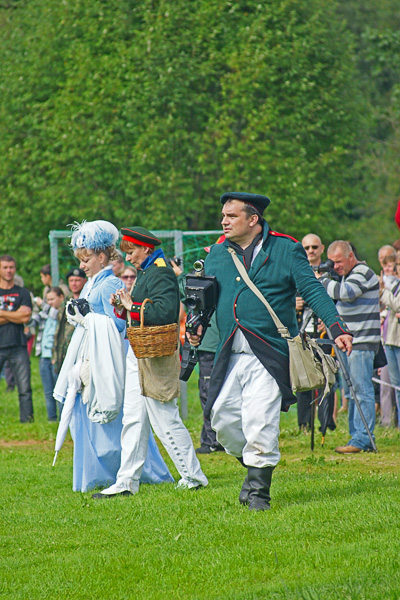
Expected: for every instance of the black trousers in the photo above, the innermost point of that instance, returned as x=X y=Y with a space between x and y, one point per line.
x=325 y=411
x=208 y=436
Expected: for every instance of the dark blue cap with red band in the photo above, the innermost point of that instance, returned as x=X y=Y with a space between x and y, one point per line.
x=259 y=202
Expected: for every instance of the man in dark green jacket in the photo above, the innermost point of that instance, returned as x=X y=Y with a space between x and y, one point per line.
x=250 y=380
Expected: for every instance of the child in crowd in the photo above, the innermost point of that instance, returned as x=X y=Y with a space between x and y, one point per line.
x=389 y=269
x=46 y=321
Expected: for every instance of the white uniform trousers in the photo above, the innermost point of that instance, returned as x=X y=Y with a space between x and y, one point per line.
x=139 y=413
x=246 y=412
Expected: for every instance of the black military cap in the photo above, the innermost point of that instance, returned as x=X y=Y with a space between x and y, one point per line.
x=76 y=273
x=259 y=202
x=140 y=236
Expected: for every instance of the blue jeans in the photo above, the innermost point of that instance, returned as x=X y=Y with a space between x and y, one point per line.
x=18 y=359
x=393 y=359
x=360 y=366
x=351 y=407
x=49 y=378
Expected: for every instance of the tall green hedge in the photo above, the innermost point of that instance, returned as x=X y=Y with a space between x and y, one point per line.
x=145 y=112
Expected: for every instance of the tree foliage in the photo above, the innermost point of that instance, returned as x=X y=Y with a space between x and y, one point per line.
x=375 y=26
x=145 y=112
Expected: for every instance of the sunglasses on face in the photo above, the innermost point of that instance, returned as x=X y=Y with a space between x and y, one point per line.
x=313 y=247
x=128 y=277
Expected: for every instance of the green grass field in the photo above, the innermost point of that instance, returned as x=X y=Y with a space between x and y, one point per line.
x=332 y=533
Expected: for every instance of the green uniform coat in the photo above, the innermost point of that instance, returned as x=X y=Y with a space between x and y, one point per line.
x=279 y=270
x=160 y=284
x=158 y=377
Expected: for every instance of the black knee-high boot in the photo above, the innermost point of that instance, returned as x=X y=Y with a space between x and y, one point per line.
x=259 y=481
x=244 y=492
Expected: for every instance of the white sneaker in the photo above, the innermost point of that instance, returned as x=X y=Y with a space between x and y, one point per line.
x=185 y=484
x=132 y=486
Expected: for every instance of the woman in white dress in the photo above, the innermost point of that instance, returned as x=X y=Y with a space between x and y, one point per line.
x=98 y=342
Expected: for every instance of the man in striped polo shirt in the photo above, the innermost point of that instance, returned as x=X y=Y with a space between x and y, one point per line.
x=357 y=302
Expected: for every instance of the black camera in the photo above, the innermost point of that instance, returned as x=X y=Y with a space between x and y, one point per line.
x=201 y=298
x=325 y=267
x=201 y=293
x=177 y=261
x=82 y=305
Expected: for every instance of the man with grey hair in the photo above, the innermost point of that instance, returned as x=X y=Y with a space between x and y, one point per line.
x=357 y=296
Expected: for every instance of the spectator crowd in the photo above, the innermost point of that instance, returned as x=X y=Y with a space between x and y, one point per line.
x=369 y=304
x=34 y=324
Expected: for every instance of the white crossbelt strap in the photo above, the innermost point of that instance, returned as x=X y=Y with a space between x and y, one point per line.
x=282 y=330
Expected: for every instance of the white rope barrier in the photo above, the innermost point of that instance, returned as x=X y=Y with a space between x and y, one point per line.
x=395 y=387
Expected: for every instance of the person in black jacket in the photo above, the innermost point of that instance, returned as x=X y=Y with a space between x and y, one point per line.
x=15 y=312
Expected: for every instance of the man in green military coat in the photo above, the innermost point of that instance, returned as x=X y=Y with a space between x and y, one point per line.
x=250 y=380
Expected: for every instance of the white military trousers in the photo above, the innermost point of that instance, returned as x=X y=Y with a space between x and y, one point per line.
x=139 y=413
x=246 y=413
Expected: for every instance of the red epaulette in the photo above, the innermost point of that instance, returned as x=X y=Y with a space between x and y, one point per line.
x=283 y=235
x=135 y=313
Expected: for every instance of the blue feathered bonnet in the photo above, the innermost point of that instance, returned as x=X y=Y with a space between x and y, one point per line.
x=94 y=235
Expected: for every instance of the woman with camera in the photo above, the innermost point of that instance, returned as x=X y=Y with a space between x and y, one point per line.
x=95 y=364
x=152 y=384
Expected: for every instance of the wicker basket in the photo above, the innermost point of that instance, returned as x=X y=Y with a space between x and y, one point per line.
x=153 y=340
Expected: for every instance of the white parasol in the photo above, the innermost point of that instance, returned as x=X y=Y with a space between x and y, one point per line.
x=74 y=384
